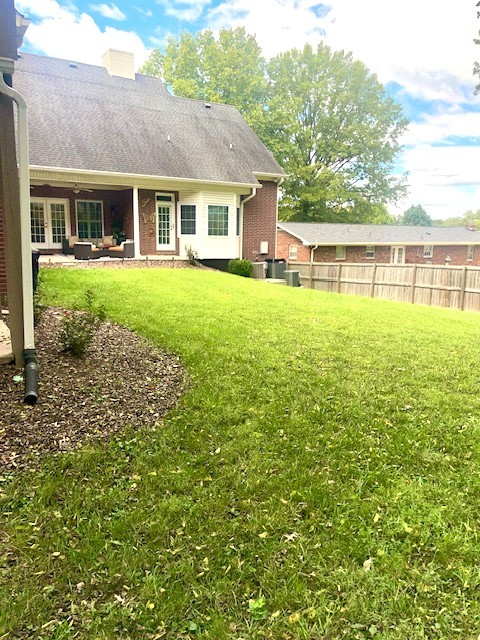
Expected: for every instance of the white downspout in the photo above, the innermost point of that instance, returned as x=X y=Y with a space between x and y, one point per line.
x=6 y=66
x=242 y=202
x=136 y=223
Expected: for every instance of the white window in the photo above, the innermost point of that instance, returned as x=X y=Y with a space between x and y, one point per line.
x=470 y=251
x=217 y=220
x=292 y=252
x=188 y=214
x=428 y=251
x=340 y=252
x=370 y=252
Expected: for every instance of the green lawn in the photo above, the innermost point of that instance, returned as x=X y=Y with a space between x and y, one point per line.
x=321 y=478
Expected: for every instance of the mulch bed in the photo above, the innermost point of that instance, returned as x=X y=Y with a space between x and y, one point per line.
x=122 y=380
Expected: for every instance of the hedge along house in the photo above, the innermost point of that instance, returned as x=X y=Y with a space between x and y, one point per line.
x=113 y=152
x=390 y=244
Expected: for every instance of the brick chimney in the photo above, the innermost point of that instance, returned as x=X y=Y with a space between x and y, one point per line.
x=119 y=63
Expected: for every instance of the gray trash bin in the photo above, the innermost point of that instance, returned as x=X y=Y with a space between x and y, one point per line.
x=276 y=268
x=35 y=267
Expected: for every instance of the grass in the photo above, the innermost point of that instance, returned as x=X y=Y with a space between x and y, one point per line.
x=319 y=480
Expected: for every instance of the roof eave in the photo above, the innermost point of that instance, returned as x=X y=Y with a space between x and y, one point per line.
x=131 y=177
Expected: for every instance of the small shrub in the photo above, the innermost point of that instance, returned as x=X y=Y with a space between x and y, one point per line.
x=79 y=326
x=192 y=255
x=240 y=267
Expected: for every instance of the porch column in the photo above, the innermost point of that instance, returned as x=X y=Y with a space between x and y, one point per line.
x=136 y=223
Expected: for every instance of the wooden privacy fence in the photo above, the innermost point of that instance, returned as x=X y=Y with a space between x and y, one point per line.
x=434 y=285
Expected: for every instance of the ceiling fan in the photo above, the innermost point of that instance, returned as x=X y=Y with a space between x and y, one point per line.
x=76 y=189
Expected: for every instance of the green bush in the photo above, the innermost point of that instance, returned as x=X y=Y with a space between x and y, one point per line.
x=79 y=327
x=240 y=267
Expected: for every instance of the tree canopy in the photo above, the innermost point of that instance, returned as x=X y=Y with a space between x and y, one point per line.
x=229 y=69
x=470 y=218
x=324 y=116
x=339 y=135
x=416 y=216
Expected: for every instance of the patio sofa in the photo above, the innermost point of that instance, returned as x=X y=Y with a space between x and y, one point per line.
x=88 y=251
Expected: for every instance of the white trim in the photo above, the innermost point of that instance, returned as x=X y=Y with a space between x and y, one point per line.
x=260 y=175
x=370 y=257
x=292 y=255
x=133 y=177
x=136 y=223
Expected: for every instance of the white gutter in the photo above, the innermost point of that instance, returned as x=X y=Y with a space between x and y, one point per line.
x=242 y=202
x=6 y=66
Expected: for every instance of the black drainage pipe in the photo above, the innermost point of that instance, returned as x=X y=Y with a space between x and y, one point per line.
x=31 y=376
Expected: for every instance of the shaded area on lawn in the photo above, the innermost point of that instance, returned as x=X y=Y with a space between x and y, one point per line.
x=122 y=380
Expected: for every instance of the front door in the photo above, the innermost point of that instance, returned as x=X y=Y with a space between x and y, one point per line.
x=50 y=222
x=165 y=225
x=397 y=255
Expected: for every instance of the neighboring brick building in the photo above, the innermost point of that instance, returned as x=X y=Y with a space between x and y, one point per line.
x=113 y=152
x=363 y=243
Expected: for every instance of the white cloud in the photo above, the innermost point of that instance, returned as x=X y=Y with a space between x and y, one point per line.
x=187 y=10
x=444 y=180
x=64 y=33
x=278 y=25
x=148 y=13
x=112 y=12
x=423 y=45
x=443 y=126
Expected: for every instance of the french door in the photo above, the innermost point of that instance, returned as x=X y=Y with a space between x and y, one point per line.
x=50 y=222
x=397 y=255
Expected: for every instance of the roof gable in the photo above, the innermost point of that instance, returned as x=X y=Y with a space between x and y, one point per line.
x=82 y=118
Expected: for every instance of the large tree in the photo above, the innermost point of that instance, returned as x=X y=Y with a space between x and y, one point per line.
x=416 y=216
x=324 y=116
x=228 y=69
x=337 y=135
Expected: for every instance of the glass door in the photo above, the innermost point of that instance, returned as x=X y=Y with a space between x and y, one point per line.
x=50 y=222
x=165 y=226
x=397 y=255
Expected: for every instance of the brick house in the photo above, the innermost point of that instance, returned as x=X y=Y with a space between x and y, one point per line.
x=113 y=152
x=364 y=243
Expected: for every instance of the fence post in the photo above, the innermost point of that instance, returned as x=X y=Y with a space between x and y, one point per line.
x=339 y=276
x=372 y=283
x=462 y=288
x=414 y=282
x=310 y=279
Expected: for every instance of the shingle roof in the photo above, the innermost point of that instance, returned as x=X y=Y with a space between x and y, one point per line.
x=377 y=234
x=80 y=117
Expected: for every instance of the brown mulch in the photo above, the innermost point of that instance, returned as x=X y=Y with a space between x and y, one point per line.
x=122 y=380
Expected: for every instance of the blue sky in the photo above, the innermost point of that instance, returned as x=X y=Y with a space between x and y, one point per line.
x=421 y=50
